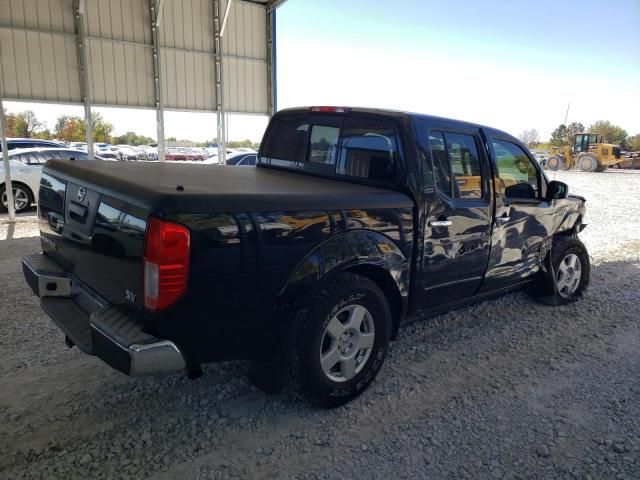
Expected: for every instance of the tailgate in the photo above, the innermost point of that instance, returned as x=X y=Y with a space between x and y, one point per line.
x=96 y=237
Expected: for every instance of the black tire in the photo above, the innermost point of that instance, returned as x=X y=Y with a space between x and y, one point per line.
x=553 y=162
x=546 y=289
x=588 y=163
x=601 y=168
x=557 y=162
x=26 y=194
x=307 y=376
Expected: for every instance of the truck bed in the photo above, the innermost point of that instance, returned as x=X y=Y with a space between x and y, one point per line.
x=178 y=188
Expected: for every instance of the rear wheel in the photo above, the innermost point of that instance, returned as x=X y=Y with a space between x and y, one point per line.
x=342 y=343
x=588 y=163
x=22 y=197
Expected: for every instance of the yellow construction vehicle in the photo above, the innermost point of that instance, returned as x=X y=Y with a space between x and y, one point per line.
x=588 y=153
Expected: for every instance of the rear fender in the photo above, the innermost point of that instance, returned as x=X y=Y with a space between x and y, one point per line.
x=352 y=250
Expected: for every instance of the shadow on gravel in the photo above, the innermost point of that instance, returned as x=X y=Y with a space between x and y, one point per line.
x=222 y=384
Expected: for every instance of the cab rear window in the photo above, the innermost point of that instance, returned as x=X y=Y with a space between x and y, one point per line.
x=332 y=145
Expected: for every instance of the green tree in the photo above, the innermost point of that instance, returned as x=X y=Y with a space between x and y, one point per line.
x=70 y=129
x=239 y=144
x=43 y=134
x=633 y=143
x=132 y=138
x=74 y=129
x=101 y=128
x=611 y=133
x=10 y=124
x=27 y=124
x=563 y=135
x=572 y=129
x=559 y=136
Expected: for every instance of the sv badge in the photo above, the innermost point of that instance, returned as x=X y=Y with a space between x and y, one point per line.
x=130 y=296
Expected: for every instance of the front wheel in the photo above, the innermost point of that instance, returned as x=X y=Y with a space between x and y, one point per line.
x=568 y=273
x=342 y=342
x=557 y=162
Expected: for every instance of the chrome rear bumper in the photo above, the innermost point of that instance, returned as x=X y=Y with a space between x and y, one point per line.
x=96 y=327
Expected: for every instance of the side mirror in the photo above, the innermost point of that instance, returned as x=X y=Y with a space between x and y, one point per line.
x=557 y=190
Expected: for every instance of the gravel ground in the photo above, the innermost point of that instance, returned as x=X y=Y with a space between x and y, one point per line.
x=504 y=389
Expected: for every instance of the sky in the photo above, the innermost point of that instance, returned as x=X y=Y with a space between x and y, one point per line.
x=511 y=65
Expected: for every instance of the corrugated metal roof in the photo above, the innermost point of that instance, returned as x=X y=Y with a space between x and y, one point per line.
x=39 y=60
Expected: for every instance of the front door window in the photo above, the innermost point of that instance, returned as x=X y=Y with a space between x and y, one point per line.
x=519 y=178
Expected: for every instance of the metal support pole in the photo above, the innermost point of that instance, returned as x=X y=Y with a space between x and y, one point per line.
x=85 y=79
x=219 y=79
x=156 y=11
x=271 y=61
x=7 y=166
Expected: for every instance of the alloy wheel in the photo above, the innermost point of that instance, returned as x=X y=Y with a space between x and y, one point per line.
x=569 y=274
x=347 y=343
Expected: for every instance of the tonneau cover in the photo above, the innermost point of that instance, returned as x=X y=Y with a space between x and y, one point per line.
x=189 y=188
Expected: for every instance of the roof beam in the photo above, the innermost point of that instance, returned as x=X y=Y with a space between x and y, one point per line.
x=273 y=4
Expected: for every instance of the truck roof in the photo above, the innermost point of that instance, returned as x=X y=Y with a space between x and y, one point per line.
x=398 y=114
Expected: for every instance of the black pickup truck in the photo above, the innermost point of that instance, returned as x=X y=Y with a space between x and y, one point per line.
x=353 y=223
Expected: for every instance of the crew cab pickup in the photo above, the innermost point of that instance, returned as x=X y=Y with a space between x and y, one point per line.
x=353 y=223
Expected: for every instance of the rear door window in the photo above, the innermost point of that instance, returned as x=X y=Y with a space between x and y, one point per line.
x=457 y=165
x=441 y=165
x=369 y=150
x=465 y=165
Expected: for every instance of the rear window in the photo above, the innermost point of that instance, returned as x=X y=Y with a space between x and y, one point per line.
x=358 y=147
x=288 y=141
x=324 y=144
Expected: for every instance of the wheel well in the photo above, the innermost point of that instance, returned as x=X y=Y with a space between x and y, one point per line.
x=381 y=277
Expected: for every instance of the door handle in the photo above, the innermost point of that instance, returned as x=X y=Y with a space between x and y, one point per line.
x=502 y=220
x=440 y=223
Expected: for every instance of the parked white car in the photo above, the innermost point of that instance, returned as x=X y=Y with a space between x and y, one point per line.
x=26 y=168
x=26 y=181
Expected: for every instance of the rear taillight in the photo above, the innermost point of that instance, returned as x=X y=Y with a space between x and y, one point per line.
x=166 y=263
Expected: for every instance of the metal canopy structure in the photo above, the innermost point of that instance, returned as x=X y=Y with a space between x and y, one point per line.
x=188 y=55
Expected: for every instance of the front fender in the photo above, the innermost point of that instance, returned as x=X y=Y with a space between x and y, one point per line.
x=571 y=212
x=340 y=252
